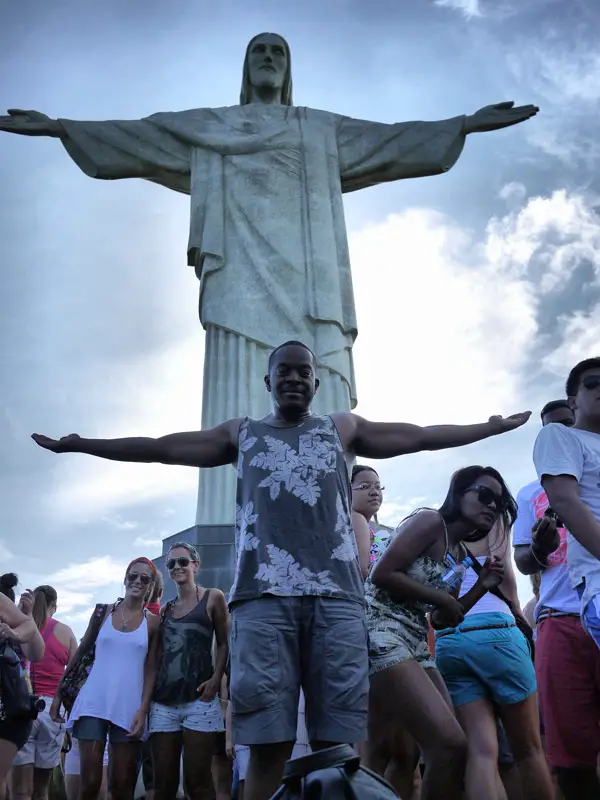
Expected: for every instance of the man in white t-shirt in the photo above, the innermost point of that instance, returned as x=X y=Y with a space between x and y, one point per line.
x=567 y=461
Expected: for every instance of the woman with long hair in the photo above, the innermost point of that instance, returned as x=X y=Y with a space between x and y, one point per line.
x=113 y=702
x=420 y=571
x=17 y=631
x=186 y=714
x=487 y=667
x=33 y=765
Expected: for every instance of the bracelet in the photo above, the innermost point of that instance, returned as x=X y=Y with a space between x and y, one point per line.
x=542 y=564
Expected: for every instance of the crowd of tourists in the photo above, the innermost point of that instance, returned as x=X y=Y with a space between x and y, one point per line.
x=409 y=644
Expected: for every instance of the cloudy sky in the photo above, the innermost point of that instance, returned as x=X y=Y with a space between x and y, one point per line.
x=476 y=291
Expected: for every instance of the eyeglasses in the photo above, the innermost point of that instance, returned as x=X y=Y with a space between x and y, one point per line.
x=363 y=487
x=182 y=561
x=144 y=579
x=486 y=497
x=591 y=381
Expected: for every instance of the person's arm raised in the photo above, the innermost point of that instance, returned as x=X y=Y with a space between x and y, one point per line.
x=30 y=123
x=211 y=448
x=388 y=439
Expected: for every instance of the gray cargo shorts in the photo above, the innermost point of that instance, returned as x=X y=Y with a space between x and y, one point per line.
x=279 y=644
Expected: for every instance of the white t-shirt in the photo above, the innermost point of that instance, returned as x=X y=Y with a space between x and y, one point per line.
x=555 y=589
x=567 y=451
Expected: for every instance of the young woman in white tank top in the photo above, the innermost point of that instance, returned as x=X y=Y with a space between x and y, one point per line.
x=113 y=703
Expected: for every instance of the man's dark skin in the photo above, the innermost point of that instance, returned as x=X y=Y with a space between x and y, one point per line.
x=292 y=383
x=546 y=537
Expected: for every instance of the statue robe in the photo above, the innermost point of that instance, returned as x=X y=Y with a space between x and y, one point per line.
x=267 y=232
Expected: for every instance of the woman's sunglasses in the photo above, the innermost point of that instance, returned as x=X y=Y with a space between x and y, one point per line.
x=144 y=579
x=182 y=561
x=486 y=497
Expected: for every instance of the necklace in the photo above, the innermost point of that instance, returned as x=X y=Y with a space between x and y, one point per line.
x=125 y=621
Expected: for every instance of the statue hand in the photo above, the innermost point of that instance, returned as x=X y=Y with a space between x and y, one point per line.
x=67 y=444
x=499 y=115
x=30 y=123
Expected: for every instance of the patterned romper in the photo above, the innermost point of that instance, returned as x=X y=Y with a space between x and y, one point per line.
x=398 y=631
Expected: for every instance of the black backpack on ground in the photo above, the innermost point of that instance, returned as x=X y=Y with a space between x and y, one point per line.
x=332 y=774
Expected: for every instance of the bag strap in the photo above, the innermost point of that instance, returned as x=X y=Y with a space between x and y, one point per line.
x=496 y=590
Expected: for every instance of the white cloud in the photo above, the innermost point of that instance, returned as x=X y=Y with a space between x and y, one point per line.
x=160 y=395
x=148 y=541
x=580 y=338
x=470 y=8
x=92 y=574
x=6 y=554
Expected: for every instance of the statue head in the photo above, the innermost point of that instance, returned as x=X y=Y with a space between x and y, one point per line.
x=267 y=65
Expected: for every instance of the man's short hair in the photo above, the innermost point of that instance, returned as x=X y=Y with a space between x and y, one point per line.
x=554 y=405
x=576 y=373
x=291 y=343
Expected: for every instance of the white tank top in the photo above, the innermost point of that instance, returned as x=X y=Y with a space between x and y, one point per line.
x=489 y=603
x=113 y=690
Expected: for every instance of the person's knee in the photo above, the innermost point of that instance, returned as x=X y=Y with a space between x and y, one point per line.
x=269 y=755
x=452 y=746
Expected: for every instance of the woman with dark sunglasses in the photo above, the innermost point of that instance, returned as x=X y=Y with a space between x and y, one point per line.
x=486 y=660
x=421 y=570
x=186 y=715
x=113 y=703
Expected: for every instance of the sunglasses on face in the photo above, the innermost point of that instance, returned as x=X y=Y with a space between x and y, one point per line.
x=144 y=579
x=182 y=561
x=486 y=497
x=591 y=382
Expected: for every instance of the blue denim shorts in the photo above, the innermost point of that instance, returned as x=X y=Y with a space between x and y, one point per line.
x=493 y=664
x=92 y=729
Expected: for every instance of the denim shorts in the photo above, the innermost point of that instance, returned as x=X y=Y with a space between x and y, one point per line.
x=493 y=664
x=92 y=729
x=194 y=716
x=590 y=618
x=279 y=644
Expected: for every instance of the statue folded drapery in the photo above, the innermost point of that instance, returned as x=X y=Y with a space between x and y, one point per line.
x=267 y=232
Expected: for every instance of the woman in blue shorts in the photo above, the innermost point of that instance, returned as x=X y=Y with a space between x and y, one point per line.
x=486 y=661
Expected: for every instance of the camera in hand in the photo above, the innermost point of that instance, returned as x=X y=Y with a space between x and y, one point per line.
x=551 y=514
x=36 y=705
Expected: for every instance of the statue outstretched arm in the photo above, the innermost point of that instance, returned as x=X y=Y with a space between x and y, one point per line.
x=30 y=123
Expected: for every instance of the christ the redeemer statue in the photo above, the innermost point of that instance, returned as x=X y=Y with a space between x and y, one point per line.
x=267 y=233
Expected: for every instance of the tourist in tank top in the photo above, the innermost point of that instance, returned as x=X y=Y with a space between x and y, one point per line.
x=33 y=765
x=487 y=666
x=419 y=571
x=186 y=715
x=297 y=568
x=367 y=496
x=113 y=703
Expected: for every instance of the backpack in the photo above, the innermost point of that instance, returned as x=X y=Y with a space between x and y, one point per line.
x=332 y=774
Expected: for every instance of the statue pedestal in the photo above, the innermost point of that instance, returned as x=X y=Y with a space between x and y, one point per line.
x=216 y=545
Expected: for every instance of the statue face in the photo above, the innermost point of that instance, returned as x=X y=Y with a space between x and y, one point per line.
x=267 y=62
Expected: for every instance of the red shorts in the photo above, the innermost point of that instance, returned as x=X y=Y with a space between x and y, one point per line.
x=567 y=665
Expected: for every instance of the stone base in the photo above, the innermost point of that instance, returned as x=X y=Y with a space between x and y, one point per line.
x=216 y=545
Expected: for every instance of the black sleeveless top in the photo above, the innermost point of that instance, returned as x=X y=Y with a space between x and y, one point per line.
x=186 y=655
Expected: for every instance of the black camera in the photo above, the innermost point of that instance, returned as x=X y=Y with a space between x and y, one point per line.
x=36 y=706
x=551 y=514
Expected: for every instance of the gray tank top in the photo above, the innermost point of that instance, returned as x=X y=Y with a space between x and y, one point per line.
x=294 y=533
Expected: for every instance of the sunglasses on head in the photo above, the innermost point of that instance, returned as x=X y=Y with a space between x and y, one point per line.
x=181 y=561
x=132 y=577
x=487 y=496
x=591 y=381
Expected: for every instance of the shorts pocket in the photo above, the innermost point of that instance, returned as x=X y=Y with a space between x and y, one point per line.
x=346 y=666
x=255 y=667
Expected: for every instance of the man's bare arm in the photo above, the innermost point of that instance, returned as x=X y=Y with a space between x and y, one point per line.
x=211 y=448
x=388 y=439
x=563 y=494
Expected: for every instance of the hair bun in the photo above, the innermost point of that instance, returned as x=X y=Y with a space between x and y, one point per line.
x=9 y=580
